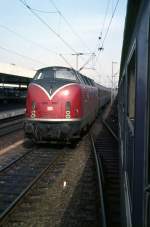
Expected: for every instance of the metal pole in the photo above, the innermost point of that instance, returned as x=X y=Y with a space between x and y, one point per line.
x=77 y=58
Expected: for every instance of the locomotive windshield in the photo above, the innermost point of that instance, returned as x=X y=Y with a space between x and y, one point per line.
x=43 y=74
x=53 y=74
x=65 y=74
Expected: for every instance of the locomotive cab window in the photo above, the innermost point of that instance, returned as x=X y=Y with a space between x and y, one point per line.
x=44 y=74
x=131 y=86
x=65 y=74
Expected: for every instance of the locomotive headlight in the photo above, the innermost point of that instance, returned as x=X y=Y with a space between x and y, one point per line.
x=66 y=93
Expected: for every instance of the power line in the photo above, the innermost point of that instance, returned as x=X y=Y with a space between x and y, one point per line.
x=113 y=14
x=47 y=25
x=65 y=60
x=106 y=12
x=90 y=58
x=103 y=26
x=27 y=40
x=69 y=24
x=21 y=55
x=101 y=33
x=43 y=11
x=31 y=41
x=101 y=48
x=105 y=36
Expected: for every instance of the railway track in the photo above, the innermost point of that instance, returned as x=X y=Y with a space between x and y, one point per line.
x=10 y=125
x=12 y=162
x=107 y=161
x=17 y=178
x=73 y=192
x=37 y=180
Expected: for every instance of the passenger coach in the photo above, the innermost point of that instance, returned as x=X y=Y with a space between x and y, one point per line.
x=134 y=115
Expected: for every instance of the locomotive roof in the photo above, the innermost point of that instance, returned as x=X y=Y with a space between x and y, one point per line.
x=57 y=67
x=103 y=87
x=63 y=67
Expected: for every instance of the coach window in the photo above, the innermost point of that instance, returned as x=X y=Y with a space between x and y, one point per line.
x=131 y=87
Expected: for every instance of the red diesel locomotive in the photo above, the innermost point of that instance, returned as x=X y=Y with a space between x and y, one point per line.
x=60 y=104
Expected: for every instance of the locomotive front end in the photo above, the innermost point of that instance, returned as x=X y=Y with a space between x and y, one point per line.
x=54 y=105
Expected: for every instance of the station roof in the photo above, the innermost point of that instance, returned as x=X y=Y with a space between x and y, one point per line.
x=12 y=74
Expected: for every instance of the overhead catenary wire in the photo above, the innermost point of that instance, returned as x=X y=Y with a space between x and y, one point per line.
x=103 y=25
x=65 y=60
x=43 y=11
x=47 y=25
x=113 y=14
x=90 y=58
x=107 y=30
x=31 y=41
x=69 y=25
x=105 y=36
x=105 y=16
x=21 y=55
x=27 y=39
x=102 y=29
x=101 y=33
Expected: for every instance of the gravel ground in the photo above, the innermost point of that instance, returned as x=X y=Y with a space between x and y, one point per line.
x=64 y=198
x=10 y=139
x=10 y=156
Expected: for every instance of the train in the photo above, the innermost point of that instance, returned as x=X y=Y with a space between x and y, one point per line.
x=61 y=103
x=134 y=116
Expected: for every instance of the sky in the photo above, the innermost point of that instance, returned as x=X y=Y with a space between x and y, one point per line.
x=70 y=27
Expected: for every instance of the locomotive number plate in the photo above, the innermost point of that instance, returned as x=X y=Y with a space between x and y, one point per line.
x=50 y=108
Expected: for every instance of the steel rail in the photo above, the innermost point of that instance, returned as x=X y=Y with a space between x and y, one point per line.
x=11 y=123
x=14 y=162
x=100 y=177
x=111 y=131
x=11 y=126
x=10 y=208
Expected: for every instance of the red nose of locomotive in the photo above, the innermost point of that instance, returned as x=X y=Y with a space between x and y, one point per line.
x=64 y=102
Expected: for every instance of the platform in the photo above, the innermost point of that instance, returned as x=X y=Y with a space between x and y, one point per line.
x=11 y=113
